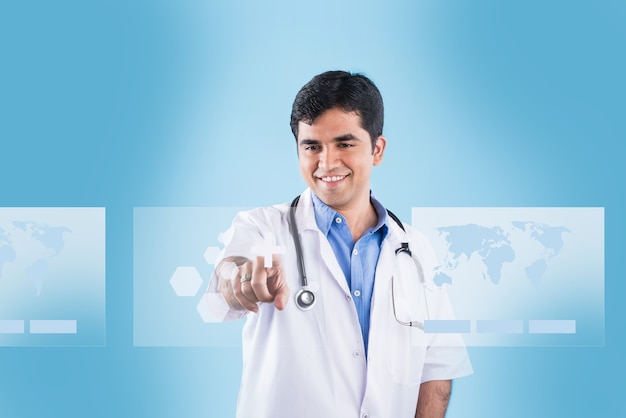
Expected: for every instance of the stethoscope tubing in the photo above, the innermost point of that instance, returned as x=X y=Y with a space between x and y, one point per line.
x=305 y=298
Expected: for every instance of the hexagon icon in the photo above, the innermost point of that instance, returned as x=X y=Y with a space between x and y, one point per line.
x=203 y=308
x=212 y=307
x=186 y=281
x=211 y=253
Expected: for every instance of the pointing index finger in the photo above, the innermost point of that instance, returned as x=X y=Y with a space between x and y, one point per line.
x=259 y=280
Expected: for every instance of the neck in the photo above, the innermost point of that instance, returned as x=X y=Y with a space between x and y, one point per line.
x=360 y=219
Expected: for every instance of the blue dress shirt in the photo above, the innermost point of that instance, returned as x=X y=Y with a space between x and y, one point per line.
x=357 y=260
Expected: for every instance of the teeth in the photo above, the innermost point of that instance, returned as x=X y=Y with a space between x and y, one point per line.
x=333 y=178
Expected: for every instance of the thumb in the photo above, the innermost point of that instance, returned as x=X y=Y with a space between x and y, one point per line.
x=282 y=296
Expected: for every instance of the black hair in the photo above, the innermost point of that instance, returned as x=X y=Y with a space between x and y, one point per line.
x=343 y=90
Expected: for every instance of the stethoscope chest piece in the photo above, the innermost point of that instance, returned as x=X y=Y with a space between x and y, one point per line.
x=305 y=299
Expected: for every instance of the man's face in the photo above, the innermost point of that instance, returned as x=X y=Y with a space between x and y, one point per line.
x=336 y=158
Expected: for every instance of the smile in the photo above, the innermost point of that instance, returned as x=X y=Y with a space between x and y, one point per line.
x=329 y=179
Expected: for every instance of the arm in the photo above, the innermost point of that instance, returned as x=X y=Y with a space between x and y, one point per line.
x=433 y=399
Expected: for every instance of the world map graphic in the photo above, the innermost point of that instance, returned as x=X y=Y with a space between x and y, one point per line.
x=31 y=246
x=494 y=246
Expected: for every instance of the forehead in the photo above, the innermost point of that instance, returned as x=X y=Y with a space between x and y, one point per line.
x=330 y=123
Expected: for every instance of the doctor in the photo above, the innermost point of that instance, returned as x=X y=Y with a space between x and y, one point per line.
x=349 y=355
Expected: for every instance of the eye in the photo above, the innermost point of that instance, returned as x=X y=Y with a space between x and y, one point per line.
x=311 y=147
x=345 y=145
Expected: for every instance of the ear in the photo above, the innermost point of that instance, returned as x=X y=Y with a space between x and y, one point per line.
x=379 y=149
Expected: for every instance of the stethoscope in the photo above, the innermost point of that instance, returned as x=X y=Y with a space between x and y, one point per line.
x=305 y=298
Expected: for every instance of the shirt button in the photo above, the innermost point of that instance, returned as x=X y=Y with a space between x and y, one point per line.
x=356 y=354
x=355 y=252
x=357 y=293
x=338 y=219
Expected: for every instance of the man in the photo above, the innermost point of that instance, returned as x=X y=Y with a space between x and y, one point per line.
x=352 y=353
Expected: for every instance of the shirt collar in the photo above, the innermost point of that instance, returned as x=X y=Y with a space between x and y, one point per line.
x=325 y=215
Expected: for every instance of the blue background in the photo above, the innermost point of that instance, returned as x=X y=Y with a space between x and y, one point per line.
x=173 y=103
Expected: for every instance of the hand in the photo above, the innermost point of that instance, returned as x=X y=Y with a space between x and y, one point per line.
x=262 y=284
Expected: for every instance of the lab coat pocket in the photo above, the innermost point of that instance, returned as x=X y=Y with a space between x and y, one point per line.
x=405 y=355
x=406 y=345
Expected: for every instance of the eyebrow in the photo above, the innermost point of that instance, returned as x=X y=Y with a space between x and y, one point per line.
x=346 y=137
x=341 y=138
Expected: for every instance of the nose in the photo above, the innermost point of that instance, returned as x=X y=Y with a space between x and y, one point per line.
x=329 y=159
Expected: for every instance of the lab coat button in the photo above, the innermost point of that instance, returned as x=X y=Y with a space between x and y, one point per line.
x=356 y=354
x=365 y=415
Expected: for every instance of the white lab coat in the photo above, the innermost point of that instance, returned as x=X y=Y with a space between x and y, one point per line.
x=300 y=364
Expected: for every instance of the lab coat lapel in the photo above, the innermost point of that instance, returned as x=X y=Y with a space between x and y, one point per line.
x=386 y=263
x=311 y=235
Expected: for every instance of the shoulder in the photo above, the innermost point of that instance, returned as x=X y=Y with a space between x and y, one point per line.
x=276 y=214
x=421 y=250
x=262 y=215
x=250 y=227
x=417 y=238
